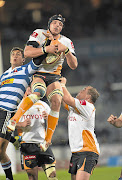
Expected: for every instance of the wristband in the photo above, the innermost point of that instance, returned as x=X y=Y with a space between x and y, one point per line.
x=62 y=84
x=66 y=51
x=43 y=49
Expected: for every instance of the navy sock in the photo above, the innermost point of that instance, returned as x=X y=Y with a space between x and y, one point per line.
x=7 y=169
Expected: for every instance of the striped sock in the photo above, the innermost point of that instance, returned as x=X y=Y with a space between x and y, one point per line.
x=7 y=169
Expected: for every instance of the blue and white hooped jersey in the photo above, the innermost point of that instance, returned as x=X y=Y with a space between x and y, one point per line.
x=13 y=85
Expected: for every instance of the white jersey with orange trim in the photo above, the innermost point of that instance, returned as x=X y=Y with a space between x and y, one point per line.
x=81 y=124
x=35 y=133
x=55 y=67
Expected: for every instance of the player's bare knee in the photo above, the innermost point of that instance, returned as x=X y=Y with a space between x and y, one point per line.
x=31 y=174
x=50 y=171
x=53 y=174
x=55 y=104
x=55 y=98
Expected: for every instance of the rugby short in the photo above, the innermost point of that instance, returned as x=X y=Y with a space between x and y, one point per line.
x=32 y=156
x=47 y=77
x=85 y=161
x=5 y=116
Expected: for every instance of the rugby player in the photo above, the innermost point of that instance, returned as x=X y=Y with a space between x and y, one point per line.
x=117 y=122
x=40 y=45
x=14 y=82
x=31 y=136
x=81 y=125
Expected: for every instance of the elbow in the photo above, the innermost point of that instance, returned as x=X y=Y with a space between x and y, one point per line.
x=75 y=64
x=26 y=54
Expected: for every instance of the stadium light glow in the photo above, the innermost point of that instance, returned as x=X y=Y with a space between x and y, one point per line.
x=2 y=3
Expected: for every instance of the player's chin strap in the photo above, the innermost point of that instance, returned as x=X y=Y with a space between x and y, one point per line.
x=48 y=169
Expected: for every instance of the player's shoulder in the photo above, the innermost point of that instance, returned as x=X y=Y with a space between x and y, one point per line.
x=83 y=102
x=67 y=41
x=7 y=71
x=40 y=31
x=65 y=38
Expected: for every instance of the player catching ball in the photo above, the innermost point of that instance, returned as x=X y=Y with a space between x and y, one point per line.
x=53 y=48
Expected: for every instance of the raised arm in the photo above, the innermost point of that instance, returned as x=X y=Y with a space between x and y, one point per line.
x=67 y=98
x=71 y=60
x=117 y=122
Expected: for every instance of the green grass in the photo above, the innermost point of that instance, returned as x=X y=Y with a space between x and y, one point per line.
x=100 y=173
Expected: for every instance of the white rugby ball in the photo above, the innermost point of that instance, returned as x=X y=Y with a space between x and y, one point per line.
x=52 y=58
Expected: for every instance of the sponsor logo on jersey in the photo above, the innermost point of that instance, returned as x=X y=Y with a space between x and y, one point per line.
x=15 y=70
x=30 y=157
x=82 y=102
x=35 y=34
x=72 y=45
x=34 y=116
x=72 y=119
x=7 y=81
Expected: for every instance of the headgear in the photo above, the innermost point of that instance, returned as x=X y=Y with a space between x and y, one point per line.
x=56 y=17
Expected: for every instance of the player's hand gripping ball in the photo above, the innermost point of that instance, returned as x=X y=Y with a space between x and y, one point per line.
x=52 y=58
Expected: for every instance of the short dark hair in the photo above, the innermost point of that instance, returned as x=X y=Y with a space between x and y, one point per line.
x=94 y=94
x=19 y=49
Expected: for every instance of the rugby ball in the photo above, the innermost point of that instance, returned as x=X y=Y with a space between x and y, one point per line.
x=52 y=58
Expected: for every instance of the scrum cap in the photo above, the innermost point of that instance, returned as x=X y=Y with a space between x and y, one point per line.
x=56 y=17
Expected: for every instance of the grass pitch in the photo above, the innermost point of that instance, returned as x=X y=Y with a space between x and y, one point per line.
x=100 y=173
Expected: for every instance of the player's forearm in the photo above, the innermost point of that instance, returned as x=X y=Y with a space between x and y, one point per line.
x=19 y=125
x=71 y=61
x=31 y=52
x=67 y=98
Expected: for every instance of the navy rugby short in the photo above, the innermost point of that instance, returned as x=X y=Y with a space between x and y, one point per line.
x=32 y=156
x=85 y=161
x=47 y=77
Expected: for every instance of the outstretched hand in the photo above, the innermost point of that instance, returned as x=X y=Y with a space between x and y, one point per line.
x=112 y=119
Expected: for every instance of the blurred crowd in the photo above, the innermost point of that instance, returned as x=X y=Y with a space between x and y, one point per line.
x=84 y=18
